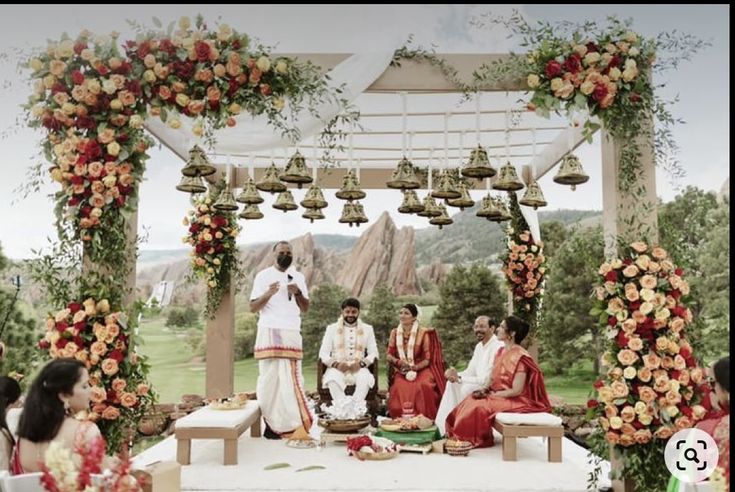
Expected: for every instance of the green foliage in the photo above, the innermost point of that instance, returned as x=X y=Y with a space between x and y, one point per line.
x=246 y=328
x=567 y=332
x=382 y=314
x=553 y=233
x=324 y=309
x=182 y=317
x=467 y=293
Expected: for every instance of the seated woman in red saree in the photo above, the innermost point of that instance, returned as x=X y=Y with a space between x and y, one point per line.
x=718 y=426
x=415 y=353
x=516 y=385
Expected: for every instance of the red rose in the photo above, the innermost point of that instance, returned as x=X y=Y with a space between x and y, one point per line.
x=167 y=46
x=102 y=70
x=676 y=294
x=85 y=211
x=638 y=425
x=78 y=341
x=61 y=343
x=73 y=201
x=674 y=374
x=44 y=344
x=572 y=64
x=633 y=306
x=593 y=404
x=612 y=321
x=592 y=47
x=80 y=326
x=184 y=70
x=79 y=47
x=116 y=355
x=265 y=89
x=679 y=272
x=144 y=49
x=58 y=87
x=74 y=307
x=202 y=51
x=236 y=44
x=614 y=61
x=634 y=97
x=685 y=352
x=201 y=248
x=679 y=311
x=611 y=276
x=77 y=77
x=61 y=326
x=622 y=339
x=112 y=396
x=85 y=123
x=598 y=384
x=553 y=68
x=684 y=409
x=600 y=92
x=218 y=221
x=627 y=262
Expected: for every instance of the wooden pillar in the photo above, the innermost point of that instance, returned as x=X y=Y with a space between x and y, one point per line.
x=629 y=215
x=220 y=369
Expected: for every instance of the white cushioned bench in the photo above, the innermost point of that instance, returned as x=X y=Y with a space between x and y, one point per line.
x=542 y=424
x=206 y=423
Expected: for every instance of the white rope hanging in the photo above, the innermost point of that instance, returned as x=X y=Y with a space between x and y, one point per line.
x=446 y=140
x=251 y=165
x=410 y=146
x=350 y=148
x=404 y=121
x=431 y=160
x=313 y=158
x=507 y=134
x=461 y=147
x=477 y=118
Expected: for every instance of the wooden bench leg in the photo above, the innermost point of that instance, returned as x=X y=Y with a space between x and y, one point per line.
x=255 y=428
x=509 y=448
x=555 y=449
x=230 y=451
x=183 y=451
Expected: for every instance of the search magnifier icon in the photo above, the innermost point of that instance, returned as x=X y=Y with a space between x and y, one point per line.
x=690 y=454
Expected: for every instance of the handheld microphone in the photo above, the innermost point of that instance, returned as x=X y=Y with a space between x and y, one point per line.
x=289 y=277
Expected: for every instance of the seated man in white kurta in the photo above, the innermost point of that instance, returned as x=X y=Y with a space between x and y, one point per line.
x=348 y=348
x=477 y=374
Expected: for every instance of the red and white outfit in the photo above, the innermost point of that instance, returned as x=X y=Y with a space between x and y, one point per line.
x=278 y=350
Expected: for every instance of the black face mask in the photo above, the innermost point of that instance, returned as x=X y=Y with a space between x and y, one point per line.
x=284 y=261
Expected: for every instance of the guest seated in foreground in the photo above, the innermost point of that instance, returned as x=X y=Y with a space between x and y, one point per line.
x=9 y=394
x=415 y=354
x=516 y=385
x=719 y=426
x=59 y=391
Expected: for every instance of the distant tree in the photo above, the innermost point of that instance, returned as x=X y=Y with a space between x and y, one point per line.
x=182 y=318
x=553 y=233
x=324 y=309
x=20 y=336
x=567 y=332
x=467 y=293
x=246 y=327
x=382 y=314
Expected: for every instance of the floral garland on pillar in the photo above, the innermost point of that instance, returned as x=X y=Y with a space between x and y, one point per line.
x=92 y=98
x=524 y=266
x=654 y=386
x=91 y=332
x=213 y=235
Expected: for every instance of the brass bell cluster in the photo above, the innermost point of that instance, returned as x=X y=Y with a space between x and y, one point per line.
x=296 y=171
x=313 y=202
x=411 y=203
x=571 y=172
x=478 y=166
x=353 y=214
x=464 y=200
x=508 y=179
x=493 y=209
x=251 y=198
x=270 y=181
x=404 y=176
x=196 y=167
x=442 y=219
x=446 y=188
x=533 y=196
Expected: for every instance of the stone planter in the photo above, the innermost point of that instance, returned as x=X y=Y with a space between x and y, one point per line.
x=152 y=424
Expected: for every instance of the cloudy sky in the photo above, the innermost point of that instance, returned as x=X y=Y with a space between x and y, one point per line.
x=702 y=86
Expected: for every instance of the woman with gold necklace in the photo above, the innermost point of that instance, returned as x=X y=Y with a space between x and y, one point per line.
x=415 y=354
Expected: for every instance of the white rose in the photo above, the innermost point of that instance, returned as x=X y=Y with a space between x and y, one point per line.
x=108 y=87
x=281 y=67
x=263 y=64
x=633 y=51
x=614 y=73
x=591 y=58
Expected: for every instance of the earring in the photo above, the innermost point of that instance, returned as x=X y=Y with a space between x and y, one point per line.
x=67 y=408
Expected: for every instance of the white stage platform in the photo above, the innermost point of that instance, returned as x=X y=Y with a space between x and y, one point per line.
x=483 y=469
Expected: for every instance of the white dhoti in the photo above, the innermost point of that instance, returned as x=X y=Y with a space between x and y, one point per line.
x=280 y=385
x=453 y=395
x=336 y=381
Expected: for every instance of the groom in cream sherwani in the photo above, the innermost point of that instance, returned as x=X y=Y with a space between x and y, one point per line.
x=348 y=348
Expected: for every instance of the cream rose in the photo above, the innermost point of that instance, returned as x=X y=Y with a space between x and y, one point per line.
x=644 y=374
x=647 y=394
x=630 y=271
x=645 y=418
x=533 y=80
x=616 y=423
x=619 y=389
x=659 y=253
x=639 y=247
x=629 y=372
x=627 y=357
x=648 y=282
x=128 y=399
x=110 y=367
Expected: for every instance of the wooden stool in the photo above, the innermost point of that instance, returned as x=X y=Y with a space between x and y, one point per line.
x=511 y=432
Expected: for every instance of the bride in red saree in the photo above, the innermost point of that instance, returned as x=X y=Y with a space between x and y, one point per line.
x=516 y=385
x=416 y=356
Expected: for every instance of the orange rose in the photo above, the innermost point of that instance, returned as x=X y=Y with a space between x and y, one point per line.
x=611 y=411
x=647 y=394
x=630 y=271
x=97 y=394
x=612 y=437
x=98 y=348
x=113 y=330
x=639 y=247
x=676 y=325
x=648 y=282
x=683 y=422
x=99 y=407
x=615 y=305
x=684 y=377
x=663 y=432
x=604 y=423
x=631 y=292
x=652 y=361
x=629 y=326
x=111 y=413
x=644 y=374
x=667 y=363
x=696 y=375
x=119 y=384
x=619 y=389
x=642 y=262
x=659 y=253
x=627 y=414
x=627 y=440
x=109 y=367
x=628 y=429
x=128 y=400
x=142 y=389
x=627 y=357
x=638 y=316
x=662 y=384
x=662 y=343
x=635 y=343
x=673 y=397
x=642 y=436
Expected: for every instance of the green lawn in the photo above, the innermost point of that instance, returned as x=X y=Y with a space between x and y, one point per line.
x=174 y=370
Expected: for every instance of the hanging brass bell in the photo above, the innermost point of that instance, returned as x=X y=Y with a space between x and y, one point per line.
x=313 y=214
x=198 y=164
x=430 y=208
x=442 y=219
x=571 y=172
x=285 y=202
x=533 y=197
x=251 y=212
x=348 y=214
x=488 y=208
x=225 y=201
x=479 y=165
x=360 y=217
x=446 y=188
x=314 y=198
x=508 y=179
x=249 y=194
x=465 y=200
x=191 y=184
x=411 y=203
x=270 y=181
x=350 y=188
x=404 y=176
x=504 y=214
x=296 y=171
